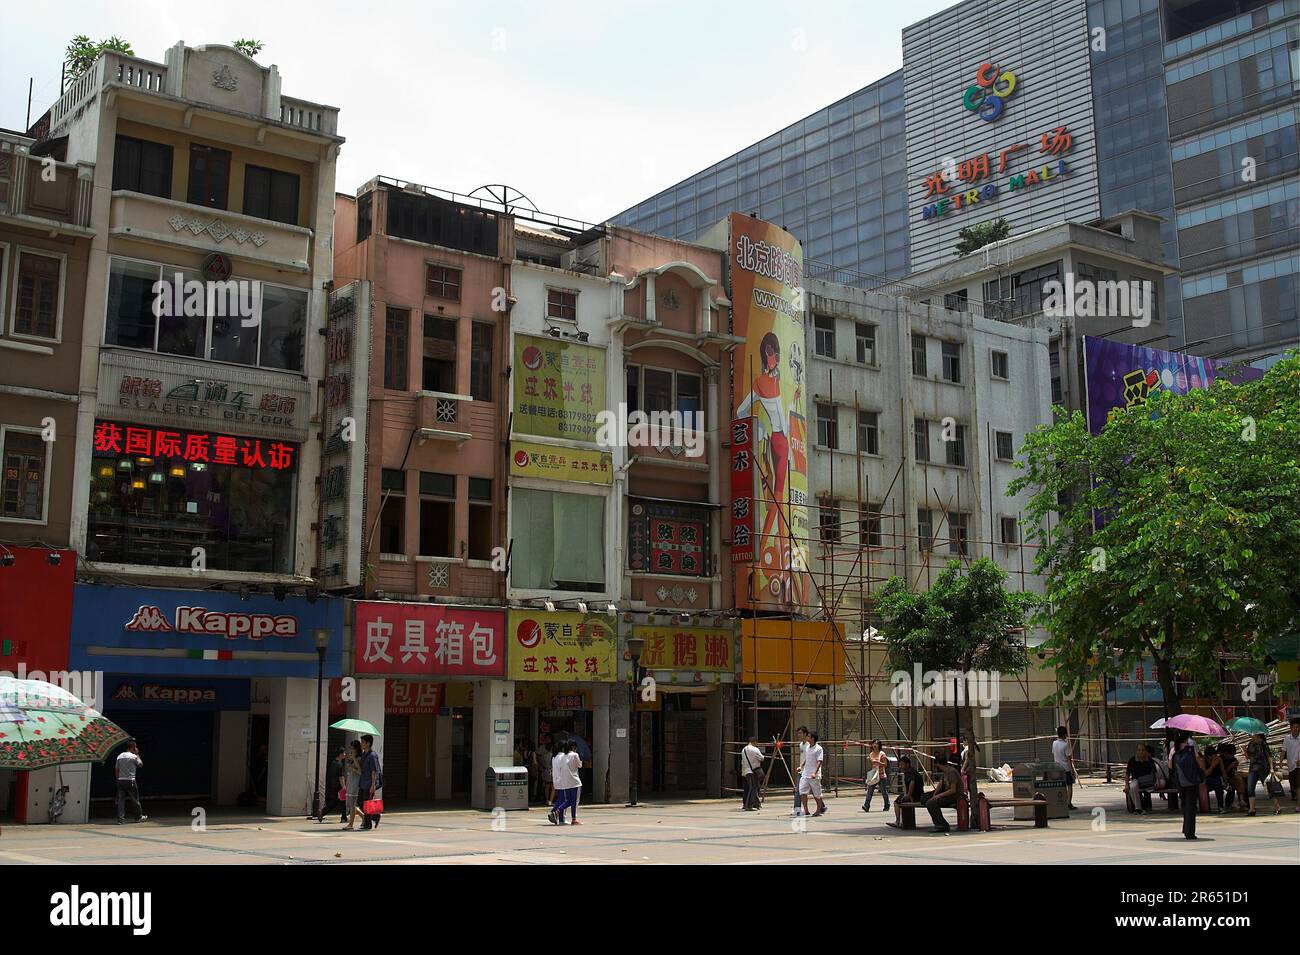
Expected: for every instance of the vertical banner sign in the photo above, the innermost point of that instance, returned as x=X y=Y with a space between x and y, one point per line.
x=559 y=388
x=742 y=491
x=347 y=337
x=765 y=269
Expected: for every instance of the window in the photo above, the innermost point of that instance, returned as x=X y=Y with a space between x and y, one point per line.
x=1005 y=447
x=25 y=475
x=392 y=516
x=871 y=526
x=271 y=194
x=396 y=321
x=480 y=361
x=865 y=338
x=828 y=426
x=824 y=335
x=958 y=301
x=251 y=323
x=921 y=432
x=918 y=355
x=955 y=450
x=924 y=529
x=437 y=514
x=1010 y=530
x=1054 y=368
x=38 y=294
x=562 y=304
x=869 y=432
x=1001 y=364
x=480 y=518
x=441 y=222
x=142 y=166
x=634 y=388
x=438 y=372
x=828 y=520
x=958 y=525
x=365 y=205
x=155 y=494
x=662 y=389
x=558 y=541
x=209 y=176
x=952 y=362
x=442 y=281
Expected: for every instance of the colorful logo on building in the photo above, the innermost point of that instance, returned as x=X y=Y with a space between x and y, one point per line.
x=988 y=96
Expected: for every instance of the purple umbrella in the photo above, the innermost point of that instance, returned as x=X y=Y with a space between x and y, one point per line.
x=1199 y=725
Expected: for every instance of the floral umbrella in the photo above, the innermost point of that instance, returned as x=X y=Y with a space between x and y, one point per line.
x=44 y=725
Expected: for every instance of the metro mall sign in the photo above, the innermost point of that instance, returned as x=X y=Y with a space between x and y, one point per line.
x=218 y=623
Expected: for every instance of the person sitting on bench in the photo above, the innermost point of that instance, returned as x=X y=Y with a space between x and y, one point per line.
x=946 y=792
x=1139 y=779
x=913 y=784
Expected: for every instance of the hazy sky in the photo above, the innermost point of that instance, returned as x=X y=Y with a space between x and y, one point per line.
x=586 y=107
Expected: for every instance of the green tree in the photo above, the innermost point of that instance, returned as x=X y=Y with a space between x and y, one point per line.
x=1196 y=543
x=82 y=52
x=250 y=48
x=965 y=621
x=977 y=236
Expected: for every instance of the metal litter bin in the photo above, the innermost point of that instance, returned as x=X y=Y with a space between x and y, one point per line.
x=1045 y=778
x=507 y=787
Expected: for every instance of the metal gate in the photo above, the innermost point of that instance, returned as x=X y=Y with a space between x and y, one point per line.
x=397 y=733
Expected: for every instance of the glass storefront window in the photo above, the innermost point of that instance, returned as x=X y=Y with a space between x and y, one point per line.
x=156 y=494
x=271 y=335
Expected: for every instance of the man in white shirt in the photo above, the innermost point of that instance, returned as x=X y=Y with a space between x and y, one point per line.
x=810 y=775
x=751 y=770
x=1063 y=755
x=128 y=762
x=802 y=734
x=1291 y=749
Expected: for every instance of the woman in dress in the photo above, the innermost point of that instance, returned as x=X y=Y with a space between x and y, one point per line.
x=352 y=766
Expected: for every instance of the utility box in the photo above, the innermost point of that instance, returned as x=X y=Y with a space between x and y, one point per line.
x=1046 y=778
x=507 y=787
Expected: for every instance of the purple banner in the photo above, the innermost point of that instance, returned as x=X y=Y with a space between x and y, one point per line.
x=1119 y=375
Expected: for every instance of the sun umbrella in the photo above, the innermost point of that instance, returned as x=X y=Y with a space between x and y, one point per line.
x=356 y=726
x=1158 y=724
x=1248 y=724
x=1199 y=725
x=44 y=725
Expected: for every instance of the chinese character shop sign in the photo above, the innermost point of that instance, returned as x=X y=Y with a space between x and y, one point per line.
x=687 y=648
x=975 y=180
x=562 y=647
x=559 y=388
x=428 y=640
x=192 y=447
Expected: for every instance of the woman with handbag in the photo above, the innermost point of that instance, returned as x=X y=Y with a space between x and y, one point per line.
x=351 y=783
x=877 y=776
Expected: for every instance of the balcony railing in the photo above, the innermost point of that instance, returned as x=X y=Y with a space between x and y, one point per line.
x=43 y=189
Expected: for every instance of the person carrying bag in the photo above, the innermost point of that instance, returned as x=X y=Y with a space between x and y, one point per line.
x=372 y=781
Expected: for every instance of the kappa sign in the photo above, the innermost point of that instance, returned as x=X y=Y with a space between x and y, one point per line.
x=219 y=623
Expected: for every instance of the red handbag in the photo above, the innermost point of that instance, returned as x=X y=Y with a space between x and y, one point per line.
x=343 y=795
x=372 y=807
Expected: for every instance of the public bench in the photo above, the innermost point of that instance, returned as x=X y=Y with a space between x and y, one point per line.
x=905 y=813
x=983 y=804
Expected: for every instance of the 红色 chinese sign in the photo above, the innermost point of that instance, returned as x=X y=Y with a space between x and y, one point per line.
x=971 y=182
x=427 y=640
x=561 y=646
x=559 y=388
x=687 y=648
x=192 y=447
x=528 y=459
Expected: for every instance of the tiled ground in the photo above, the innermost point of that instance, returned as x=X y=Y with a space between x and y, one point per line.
x=710 y=832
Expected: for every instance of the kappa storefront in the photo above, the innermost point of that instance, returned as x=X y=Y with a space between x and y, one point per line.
x=220 y=692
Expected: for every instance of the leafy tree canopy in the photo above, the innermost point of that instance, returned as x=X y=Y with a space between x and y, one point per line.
x=82 y=52
x=977 y=236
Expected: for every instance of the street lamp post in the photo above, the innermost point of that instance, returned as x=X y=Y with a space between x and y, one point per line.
x=322 y=643
x=635 y=645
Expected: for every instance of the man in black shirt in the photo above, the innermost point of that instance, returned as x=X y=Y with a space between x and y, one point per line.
x=913 y=784
x=1140 y=779
x=946 y=792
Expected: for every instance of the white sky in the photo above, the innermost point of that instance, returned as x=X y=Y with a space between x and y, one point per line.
x=587 y=107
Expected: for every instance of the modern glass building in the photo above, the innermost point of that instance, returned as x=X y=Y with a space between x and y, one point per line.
x=1186 y=109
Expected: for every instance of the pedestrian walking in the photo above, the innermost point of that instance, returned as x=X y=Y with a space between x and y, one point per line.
x=545 y=782
x=1189 y=773
x=352 y=784
x=810 y=775
x=1291 y=751
x=1063 y=754
x=751 y=763
x=565 y=781
x=124 y=770
x=877 y=776
x=335 y=785
x=802 y=735
x=575 y=769
x=369 y=785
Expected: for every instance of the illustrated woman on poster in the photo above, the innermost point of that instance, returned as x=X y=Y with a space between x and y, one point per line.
x=773 y=456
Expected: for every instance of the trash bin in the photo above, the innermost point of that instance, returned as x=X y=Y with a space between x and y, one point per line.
x=507 y=787
x=1045 y=778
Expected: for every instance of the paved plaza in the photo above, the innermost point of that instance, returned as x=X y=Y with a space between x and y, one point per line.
x=700 y=831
